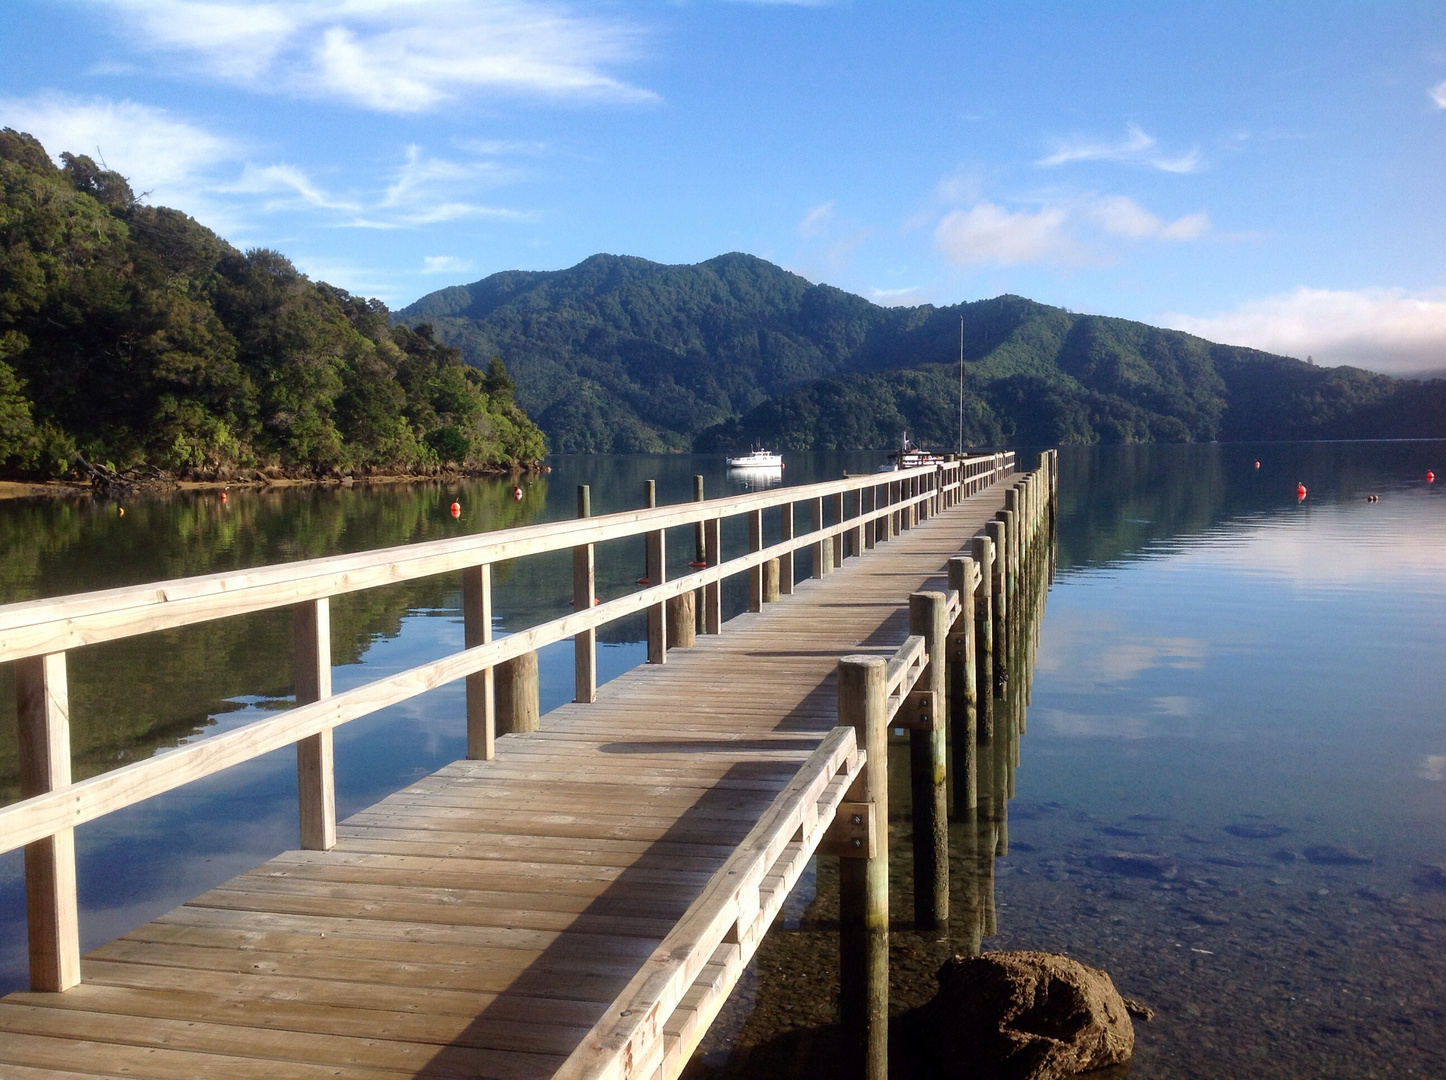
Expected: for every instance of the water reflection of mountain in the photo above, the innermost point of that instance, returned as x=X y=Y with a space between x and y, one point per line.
x=1116 y=500
x=132 y=697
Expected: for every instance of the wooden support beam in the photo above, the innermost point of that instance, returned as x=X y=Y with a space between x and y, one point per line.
x=52 y=918
x=584 y=592
x=864 y=883
x=682 y=621
x=771 y=591
x=927 y=770
x=755 y=573
x=983 y=549
x=315 y=764
x=963 y=690
x=517 y=695
x=870 y=496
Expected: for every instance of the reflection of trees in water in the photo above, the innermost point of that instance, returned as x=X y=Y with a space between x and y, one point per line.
x=134 y=696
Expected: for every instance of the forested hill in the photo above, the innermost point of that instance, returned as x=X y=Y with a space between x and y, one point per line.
x=132 y=335
x=619 y=353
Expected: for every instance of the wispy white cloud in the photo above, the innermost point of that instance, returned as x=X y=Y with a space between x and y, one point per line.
x=909 y=296
x=393 y=56
x=289 y=181
x=815 y=222
x=1120 y=215
x=1057 y=233
x=1387 y=330
x=181 y=164
x=445 y=264
x=1438 y=94
x=158 y=152
x=988 y=233
x=1136 y=148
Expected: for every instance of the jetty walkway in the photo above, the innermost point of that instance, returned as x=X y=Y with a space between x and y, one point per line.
x=578 y=897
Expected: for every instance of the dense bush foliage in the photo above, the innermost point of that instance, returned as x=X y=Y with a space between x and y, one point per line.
x=619 y=353
x=132 y=334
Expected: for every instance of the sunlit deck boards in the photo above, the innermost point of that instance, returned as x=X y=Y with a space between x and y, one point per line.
x=483 y=921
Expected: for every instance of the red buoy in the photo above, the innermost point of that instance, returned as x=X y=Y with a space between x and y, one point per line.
x=223 y=496
x=1300 y=491
x=456 y=509
x=1430 y=477
x=1257 y=464
x=516 y=493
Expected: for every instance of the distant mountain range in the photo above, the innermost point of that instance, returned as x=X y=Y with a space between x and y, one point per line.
x=621 y=354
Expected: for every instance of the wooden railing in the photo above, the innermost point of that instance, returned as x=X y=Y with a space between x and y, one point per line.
x=35 y=635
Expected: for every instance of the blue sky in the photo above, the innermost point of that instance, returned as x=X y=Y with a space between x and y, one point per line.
x=1268 y=175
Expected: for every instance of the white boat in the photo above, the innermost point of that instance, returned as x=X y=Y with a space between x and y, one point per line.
x=909 y=456
x=759 y=458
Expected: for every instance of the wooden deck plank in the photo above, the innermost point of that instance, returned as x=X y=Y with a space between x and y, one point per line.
x=482 y=920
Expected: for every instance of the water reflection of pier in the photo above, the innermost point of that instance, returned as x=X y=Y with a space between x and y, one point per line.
x=783 y=1021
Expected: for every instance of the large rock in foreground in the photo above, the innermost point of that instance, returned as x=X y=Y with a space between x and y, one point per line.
x=1023 y=1016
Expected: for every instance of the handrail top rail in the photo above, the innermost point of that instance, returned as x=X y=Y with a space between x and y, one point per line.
x=34 y=627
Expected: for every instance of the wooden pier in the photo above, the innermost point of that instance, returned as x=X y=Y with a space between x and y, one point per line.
x=578 y=897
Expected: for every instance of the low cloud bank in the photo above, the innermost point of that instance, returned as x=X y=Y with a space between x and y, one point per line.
x=1391 y=331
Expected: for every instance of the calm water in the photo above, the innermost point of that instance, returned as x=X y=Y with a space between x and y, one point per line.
x=1246 y=686
x=131 y=699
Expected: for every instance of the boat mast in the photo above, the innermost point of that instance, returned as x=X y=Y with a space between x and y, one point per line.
x=961 y=384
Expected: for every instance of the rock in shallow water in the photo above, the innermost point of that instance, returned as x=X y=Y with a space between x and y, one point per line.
x=1335 y=855
x=1136 y=864
x=1250 y=830
x=1023 y=1016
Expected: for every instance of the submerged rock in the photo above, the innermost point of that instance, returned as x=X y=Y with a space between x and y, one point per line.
x=1134 y=864
x=1335 y=855
x=1023 y=1016
x=1432 y=876
x=1251 y=830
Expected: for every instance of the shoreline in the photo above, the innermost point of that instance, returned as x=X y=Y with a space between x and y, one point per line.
x=57 y=489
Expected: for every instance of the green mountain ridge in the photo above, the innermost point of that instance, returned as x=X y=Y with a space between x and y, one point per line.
x=619 y=353
x=133 y=335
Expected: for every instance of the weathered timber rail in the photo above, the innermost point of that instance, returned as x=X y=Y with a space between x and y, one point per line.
x=575 y=901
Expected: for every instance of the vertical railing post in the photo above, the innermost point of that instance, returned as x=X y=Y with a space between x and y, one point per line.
x=963 y=690
x=755 y=572
x=928 y=771
x=864 y=882
x=481 y=685
x=52 y=916
x=816 y=508
x=856 y=534
x=315 y=766
x=655 y=572
x=584 y=592
x=871 y=530
x=838 y=537
x=713 y=591
x=983 y=549
x=700 y=557
x=785 y=561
